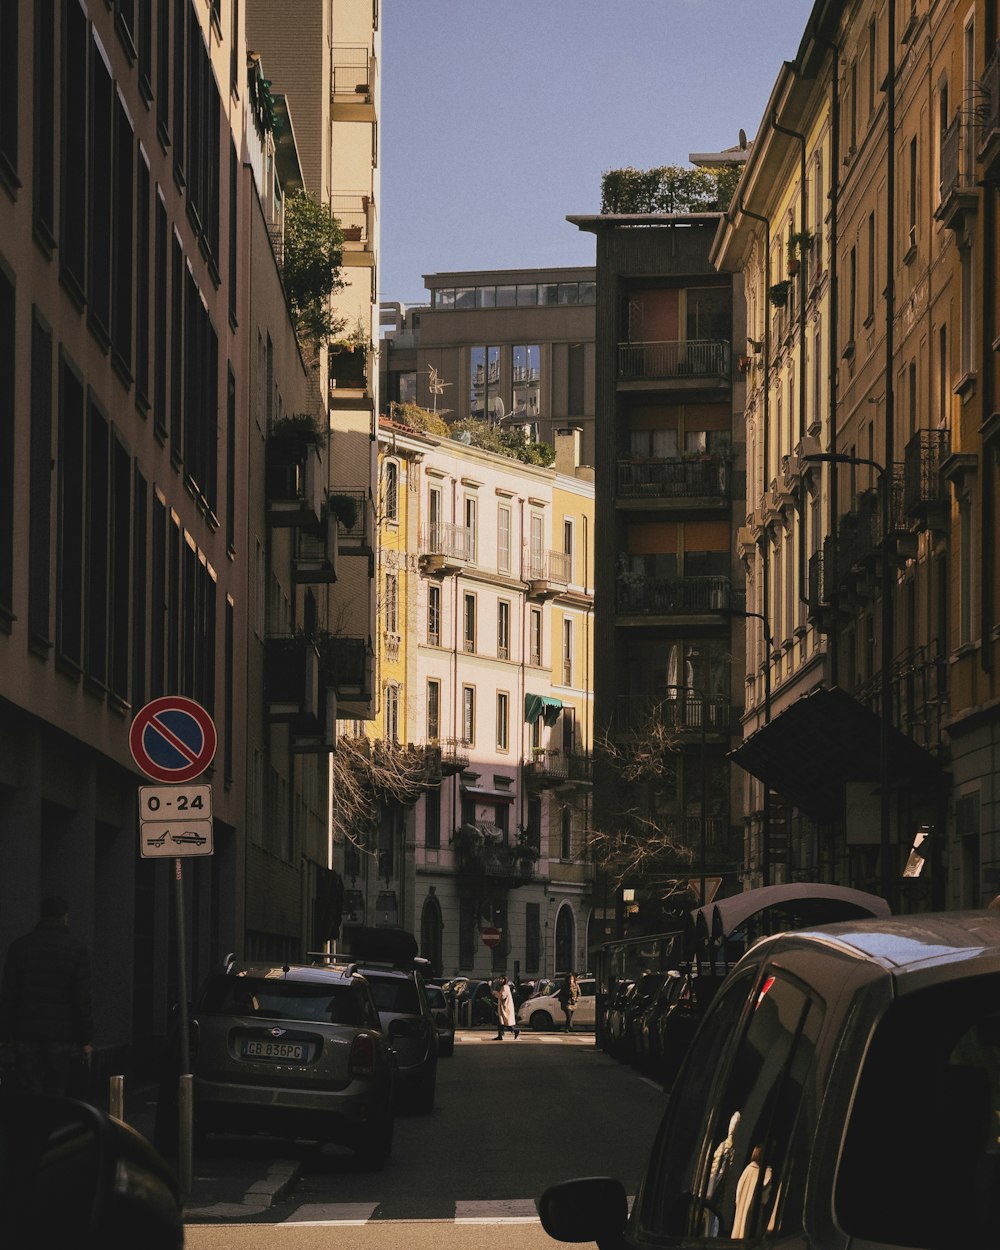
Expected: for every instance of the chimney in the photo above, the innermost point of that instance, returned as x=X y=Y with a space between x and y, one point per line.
x=567 y=450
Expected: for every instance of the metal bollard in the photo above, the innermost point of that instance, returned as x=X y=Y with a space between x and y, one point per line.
x=185 y=1109
x=116 y=1098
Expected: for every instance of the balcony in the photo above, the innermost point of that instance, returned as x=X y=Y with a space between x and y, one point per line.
x=638 y=595
x=989 y=118
x=317 y=736
x=293 y=480
x=316 y=546
x=348 y=372
x=688 y=714
x=445 y=547
x=483 y=858
x=354 y=515
x=822 y=586
x=292 y=681
x=925 y=492
x=683 y=364
x=346 y=664
x=547 y=767
x=454 y=756
x=354 y=210
x=707 y=480
x=546 y=572
x=959 y=194
x=353 y=83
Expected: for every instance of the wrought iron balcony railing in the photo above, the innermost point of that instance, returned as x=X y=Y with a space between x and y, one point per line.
x=682 y=710
x=924 y=486
x=674 y=479
x=672 y=596
x=690 y=358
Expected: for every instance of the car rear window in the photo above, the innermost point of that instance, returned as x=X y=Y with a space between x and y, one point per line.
x=275 y=999
x=921 y=1160
x=394 y=994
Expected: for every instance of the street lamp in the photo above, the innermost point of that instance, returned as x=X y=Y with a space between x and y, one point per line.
x=703 y=845
x=887 y=633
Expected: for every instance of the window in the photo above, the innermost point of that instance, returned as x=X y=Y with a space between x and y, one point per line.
x=8 y=93
x=852 y=296
x=536 y=553
x=391 y=713
x=469 y=619
x=43 y=188
x=433 y=711
x=968 y=310
x=503 y=720
x=391 y=603
x=432 y=819
x=434 y=615
x=911 y=196
x=99 y=206
x=568 y=718
x=575 y=386
x=485 y=400
x=568 y=547
x=535 y=637
x=391 y=496
x=73 y=149
x=527 y=387
x=40 y=478
x=121 y=257
x=567 y=651
x=471 y=514
x=566 y=832
x=469 y=715
x=870 y=292
x=503 y=538
x=503 y=630
x=260 y=590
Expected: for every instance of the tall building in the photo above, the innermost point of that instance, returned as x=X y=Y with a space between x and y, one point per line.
x=873 y=465
x=479 y=785
x=669 y=459
x=514 y=346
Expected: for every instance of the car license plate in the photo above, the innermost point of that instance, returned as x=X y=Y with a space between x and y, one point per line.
x=274 y=1050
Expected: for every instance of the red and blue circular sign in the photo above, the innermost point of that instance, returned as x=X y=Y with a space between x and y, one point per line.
x=173 y=739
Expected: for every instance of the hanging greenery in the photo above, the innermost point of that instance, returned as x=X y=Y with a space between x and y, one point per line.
x=503 y=442
x=313 y=251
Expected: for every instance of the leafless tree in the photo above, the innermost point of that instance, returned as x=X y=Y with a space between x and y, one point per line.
x=368 y=772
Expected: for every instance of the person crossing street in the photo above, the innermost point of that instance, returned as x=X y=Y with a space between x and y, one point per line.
x=506 y=1019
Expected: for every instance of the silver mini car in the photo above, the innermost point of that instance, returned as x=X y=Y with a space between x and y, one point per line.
x=290 y=1050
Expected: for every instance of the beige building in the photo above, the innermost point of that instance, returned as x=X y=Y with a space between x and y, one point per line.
x=485 y=668
x=881 y=746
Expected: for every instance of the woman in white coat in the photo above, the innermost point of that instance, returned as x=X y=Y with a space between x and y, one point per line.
x=506 y=1019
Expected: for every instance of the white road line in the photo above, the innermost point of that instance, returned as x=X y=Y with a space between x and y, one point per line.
x=343 y=1213
x=502 y=1211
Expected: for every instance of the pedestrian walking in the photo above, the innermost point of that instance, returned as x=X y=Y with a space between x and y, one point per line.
x=569 y=992
x=45 y=1007
x=506 y=1018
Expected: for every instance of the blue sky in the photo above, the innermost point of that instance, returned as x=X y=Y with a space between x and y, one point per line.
x=499 y=116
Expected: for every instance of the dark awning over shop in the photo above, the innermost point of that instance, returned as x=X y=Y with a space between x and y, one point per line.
x=824 y=740
x=805 y=902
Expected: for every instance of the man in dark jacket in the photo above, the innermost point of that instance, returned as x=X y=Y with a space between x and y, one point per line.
x=45 y=1001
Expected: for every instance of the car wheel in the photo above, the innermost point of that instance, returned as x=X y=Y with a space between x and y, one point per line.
x=540 y=1020
x=372 y=1153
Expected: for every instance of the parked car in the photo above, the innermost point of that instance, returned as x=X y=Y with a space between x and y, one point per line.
x=444 y=1020
x=614 y=1014
x=407 y=1020
x=646 y=986
x=648 y=1021
x=290 y=1050
x=842 y=1089
x=542 y=1011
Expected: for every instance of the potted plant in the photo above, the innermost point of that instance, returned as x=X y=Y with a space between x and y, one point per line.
x=799 y=243
x=345 y=509
x=778 y=293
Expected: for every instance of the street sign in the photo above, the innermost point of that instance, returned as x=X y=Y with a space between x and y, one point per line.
x=173 y=739
x=491 y=937
x=175 y=821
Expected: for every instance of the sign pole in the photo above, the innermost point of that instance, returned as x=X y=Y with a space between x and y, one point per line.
x=184 y=1108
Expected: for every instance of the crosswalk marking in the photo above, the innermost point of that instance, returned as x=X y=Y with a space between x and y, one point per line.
x=502 y=1211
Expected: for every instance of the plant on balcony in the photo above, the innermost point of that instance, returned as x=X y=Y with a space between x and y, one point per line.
x=668 y=189
x=304 y=427
x=777 y=293
x=799 y=242
x=503 y=442
x=313 y=252
x=345 y=509
x=523 y=852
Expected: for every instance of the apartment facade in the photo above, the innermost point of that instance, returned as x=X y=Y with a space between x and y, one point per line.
x=483 y=560
x=880 y=747
x=669 y=460
x=513 y=346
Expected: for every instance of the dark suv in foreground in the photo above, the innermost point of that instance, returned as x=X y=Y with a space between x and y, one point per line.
x=291 y=1050
x=843 y=1089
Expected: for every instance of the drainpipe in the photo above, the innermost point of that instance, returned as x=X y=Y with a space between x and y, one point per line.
x=832 y=374
x=803 y=215
x=986 y=366
x=765 y=565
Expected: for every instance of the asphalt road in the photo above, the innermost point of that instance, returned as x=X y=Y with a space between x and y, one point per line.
x=510 y=1118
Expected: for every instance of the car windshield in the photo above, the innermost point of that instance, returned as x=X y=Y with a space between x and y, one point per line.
x=397 y=994
x=281 y=999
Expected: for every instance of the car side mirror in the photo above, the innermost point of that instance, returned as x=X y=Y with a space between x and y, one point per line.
x=593 y=1208
x=71 y=1175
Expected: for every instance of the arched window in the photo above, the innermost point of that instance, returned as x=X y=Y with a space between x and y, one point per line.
x=430 y=934
x=565 y=940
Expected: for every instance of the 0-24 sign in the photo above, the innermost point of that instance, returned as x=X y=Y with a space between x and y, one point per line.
x=175 y=821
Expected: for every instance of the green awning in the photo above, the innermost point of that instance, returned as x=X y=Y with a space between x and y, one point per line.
x=536 y=705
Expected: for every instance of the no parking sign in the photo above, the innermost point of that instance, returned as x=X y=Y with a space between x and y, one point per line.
x=173 y=739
